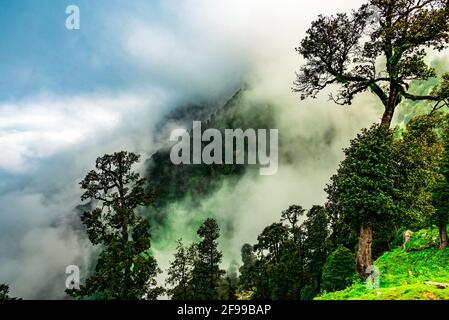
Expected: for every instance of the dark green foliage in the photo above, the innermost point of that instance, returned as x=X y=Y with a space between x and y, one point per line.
x=180 y=272
x=366 y=185
x=287 y=275
x=366 y=191
x=292 y=215
x=338 y=270
x=383 y=236
x=308 y=292
x=341 y=233
x=175 y=183
x=277 y=271
x=280 y=279
x=290 y=258
x=344 y=49
x=228 y=287
x=246 y=279
x=126 y=268
x=206 y=274
x=195 y=272
x=440 y=196
x=271 y=240
x=421 y=148
x=315 y=246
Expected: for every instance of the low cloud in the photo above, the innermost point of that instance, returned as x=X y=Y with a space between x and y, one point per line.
x=49 y=143
x=195 y=51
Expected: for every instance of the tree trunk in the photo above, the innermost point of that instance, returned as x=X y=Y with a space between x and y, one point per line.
x=387 y=117
x=364 y=258
x=443 y=236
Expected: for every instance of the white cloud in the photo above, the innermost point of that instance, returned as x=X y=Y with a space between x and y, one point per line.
x=44 y=253
x=200 y=48
x=42 y=126
x=48 y=144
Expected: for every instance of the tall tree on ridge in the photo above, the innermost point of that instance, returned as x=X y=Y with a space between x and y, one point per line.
x=345 y=50
x=126 y=268
x=366 y=187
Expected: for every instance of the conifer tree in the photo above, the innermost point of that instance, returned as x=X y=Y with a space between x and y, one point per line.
x=126 y=268
x=206 y=274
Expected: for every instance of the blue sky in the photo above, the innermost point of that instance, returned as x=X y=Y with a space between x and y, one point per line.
x=39 y=53
x=65 y=98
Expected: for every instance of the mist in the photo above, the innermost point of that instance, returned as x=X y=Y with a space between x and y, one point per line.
x=141 y=62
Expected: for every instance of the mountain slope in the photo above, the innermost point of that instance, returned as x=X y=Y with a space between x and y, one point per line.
x=406 y=275
x=182 y=188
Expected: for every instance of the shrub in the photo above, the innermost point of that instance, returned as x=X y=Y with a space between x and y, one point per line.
x=338 y=270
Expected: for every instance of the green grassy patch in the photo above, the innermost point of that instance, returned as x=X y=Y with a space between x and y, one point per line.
x=403 y=275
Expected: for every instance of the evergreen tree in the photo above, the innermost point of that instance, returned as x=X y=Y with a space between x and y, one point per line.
x=270 y=242
x=338 y=270
x=206 y=274
x=269 y=249
x=423 y=169
x=345 y=49
x=341 y=232
x=278 y=269
x=315 y=245
x=126 y=268
x=246 y=279
x=421 y=149
x=180 y=271
x=286 y=276
x=229 y=284
x=292 y=215
x=367 y=187
x=441 y=195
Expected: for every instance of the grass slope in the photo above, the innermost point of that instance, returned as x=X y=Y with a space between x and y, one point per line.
x=402 y=274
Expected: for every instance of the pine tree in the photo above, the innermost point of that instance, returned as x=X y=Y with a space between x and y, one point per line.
x=278 y=269
x=126 y=268
x=206 y=274
x=180 y=271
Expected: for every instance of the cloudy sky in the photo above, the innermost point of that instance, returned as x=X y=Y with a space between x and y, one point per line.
x=68 y=96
